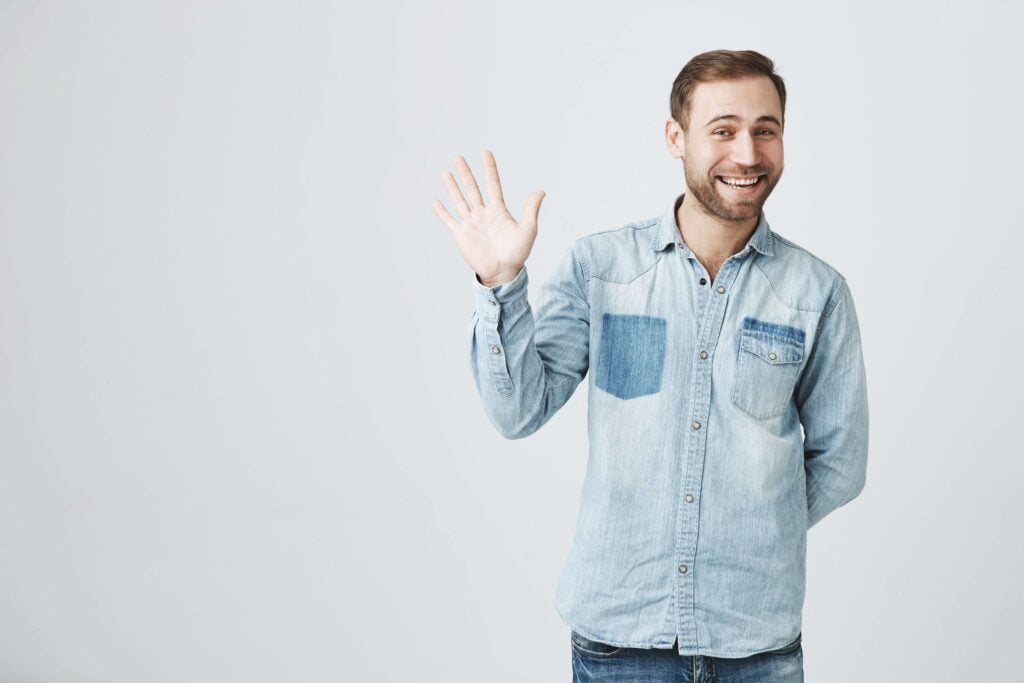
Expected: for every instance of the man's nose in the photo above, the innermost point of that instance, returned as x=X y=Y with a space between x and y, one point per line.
x=744 y=151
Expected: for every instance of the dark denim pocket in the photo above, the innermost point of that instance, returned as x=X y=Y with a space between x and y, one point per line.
x=631 y=358
x=593 y=648
x=768 y=364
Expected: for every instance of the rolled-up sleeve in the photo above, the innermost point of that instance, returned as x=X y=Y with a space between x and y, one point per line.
x=833 y=405
x=526 y=367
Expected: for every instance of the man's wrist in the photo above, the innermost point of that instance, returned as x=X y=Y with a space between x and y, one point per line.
x=502 y=279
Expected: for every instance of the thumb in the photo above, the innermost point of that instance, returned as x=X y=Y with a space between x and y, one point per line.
x=532 y=208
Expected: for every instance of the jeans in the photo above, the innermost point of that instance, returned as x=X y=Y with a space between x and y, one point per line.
x=598 y=662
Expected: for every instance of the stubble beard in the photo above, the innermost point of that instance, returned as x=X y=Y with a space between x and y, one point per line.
x=705 y=191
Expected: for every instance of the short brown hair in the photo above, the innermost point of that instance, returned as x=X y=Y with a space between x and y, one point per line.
x=720 y=65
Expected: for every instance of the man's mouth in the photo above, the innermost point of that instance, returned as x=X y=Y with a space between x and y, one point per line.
x=739 y=182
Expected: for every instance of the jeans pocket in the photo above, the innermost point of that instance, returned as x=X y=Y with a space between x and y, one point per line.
x=631 y=357
x=767 y=367
x=592 y=648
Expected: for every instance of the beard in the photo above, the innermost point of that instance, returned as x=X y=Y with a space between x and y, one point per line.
x=708 y=193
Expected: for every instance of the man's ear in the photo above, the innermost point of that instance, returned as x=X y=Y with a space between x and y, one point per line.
x=675 y=138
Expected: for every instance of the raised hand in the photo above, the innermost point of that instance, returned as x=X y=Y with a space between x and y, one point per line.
x=493 y=243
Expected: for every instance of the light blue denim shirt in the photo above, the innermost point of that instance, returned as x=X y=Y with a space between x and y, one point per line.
x=725 y=419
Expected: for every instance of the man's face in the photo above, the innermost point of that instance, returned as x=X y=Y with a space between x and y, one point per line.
x=734 y=136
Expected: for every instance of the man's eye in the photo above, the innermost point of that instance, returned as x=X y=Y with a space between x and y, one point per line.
x=720 y=130
x=767 y=131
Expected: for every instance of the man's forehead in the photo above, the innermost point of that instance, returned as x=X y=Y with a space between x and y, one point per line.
x=753 y=97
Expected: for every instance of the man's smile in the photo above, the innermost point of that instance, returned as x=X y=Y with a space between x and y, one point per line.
x=739 y=184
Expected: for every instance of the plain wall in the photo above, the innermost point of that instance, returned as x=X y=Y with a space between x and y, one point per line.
x=239 y=438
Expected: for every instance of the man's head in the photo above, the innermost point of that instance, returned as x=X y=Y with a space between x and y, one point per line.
x=728 y=112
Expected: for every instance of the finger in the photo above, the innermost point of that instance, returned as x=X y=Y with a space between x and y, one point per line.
x=442 y=212
x=532 y=208
x=456 y=194
x=469 y=182
x=493 y=181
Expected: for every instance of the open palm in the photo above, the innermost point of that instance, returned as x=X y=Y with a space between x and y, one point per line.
x=493 y=243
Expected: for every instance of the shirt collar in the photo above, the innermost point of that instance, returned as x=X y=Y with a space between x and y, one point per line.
x=667 y=232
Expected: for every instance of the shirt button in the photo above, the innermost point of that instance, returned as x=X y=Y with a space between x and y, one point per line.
x=492 y=302
x=495 y=349
x=689 y=498
x=682 y=569
x=703 y=354
x=721 y=289
x=771 y=355
x=703 y=281
x=679 y=244
x=696 y=425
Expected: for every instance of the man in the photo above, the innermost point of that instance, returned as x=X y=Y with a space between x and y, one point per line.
x=711 y=342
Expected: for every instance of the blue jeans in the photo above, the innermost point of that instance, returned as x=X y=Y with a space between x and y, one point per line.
x=598 y=662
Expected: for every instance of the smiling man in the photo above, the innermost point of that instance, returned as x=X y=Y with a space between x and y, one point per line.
x=727 y=395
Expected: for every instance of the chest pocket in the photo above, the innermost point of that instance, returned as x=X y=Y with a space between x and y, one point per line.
x=631 y=358
x=768 y=364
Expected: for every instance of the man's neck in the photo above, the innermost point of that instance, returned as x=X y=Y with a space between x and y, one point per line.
x=710 y=238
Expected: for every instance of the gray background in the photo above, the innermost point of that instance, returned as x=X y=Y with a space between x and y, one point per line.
x=239 y=439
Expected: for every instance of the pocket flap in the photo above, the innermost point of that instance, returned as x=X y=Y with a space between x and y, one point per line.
x=772 y=348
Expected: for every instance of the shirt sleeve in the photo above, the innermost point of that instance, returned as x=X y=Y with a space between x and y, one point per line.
x=526 y=367
x=833 y=405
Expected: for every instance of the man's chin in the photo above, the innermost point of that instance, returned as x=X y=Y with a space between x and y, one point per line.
x=742 y=210
x=733 y=209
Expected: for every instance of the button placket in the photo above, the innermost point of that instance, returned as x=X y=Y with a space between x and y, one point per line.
x=701 y=293
x=695 y=448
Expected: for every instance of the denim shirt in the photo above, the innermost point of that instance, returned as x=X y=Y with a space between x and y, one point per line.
x=725 y=419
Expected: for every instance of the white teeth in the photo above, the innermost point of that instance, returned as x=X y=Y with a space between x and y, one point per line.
x=739 y=182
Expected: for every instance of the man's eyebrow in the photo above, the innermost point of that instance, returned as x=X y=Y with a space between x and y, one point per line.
x=732 y=117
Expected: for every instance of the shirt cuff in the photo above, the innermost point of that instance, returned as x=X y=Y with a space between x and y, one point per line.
x=491 y=301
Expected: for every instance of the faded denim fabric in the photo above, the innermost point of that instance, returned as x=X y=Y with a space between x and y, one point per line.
x=725 y=419
x=594 y=662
